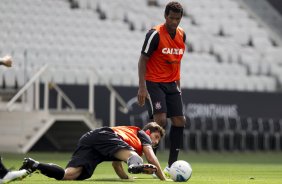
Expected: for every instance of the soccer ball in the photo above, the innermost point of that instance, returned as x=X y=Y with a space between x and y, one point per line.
x=180 y=171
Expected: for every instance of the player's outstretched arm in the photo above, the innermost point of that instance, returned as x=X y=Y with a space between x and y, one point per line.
x=6 y=61
x=117 y=165
x=152 y=159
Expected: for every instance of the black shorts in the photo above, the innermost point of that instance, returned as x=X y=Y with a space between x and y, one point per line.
x=95 y=147
x=164 y=98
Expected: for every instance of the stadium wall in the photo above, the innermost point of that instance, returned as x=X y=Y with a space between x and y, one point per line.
x=251 y=120
x=197 y=103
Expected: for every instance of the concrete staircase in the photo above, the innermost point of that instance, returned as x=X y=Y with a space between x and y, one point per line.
x=24 y=126
x=21 y=130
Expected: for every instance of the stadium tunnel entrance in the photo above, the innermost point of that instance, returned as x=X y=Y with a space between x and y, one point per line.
x=61 y=136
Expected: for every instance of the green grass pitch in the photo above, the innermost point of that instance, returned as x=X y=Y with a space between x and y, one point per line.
x=208 y=168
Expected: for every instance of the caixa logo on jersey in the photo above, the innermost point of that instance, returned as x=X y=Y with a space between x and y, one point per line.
x=173 y=51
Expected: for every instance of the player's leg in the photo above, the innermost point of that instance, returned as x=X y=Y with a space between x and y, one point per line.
x=161 y=119
x=81 y=166
x=72 y=173
x=156 y=104
x=8 y=176
x=176 y=138
x=175 y=113
x=51 y=170
x=3 y=170
x=129 y=156
x=48 y=169
x=134 y=162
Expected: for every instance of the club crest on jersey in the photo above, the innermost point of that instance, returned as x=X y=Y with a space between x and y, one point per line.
x=158 y=105
x=173 y=51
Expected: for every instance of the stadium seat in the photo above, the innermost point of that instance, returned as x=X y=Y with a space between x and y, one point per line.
x=195 y=133
x=222 y=133
x=239 y=125
x=208 y=132
x=265 y=133
x=61 y=28
x=229 y=134
x=277 y=136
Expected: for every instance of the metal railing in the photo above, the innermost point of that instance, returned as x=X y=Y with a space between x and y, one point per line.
x=21 y=92
x=114 y=95
x=35 y=81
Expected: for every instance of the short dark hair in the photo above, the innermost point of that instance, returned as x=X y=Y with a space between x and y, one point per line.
x=175 y=7
x=154 y=127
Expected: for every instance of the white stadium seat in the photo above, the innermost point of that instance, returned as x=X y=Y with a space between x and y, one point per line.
x=50 y=32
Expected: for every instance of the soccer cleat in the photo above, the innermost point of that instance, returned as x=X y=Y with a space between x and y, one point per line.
x=30 y=165
x=166 y=172
x=143 y=168
x=14 y=175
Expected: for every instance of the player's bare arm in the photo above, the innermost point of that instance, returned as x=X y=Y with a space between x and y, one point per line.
x=142 y=92
x=152 y=159
x=6 y=61
x=117 y=165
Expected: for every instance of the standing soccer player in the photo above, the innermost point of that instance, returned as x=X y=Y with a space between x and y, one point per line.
x=159 y=75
